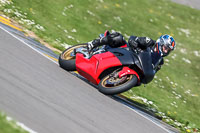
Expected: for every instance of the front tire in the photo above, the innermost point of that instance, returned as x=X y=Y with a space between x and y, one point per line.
x=109 y=89
x=66 y=61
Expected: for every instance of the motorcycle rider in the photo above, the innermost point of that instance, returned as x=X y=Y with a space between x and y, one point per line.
x=159 y=48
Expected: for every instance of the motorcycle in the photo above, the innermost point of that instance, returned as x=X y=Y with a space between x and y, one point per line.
x=113 y=70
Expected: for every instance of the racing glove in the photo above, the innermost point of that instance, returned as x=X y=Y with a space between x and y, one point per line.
x=140 y=42
x=133 y=42
x=93 y=44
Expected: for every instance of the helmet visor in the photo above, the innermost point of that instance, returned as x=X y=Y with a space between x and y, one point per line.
x=166 y=50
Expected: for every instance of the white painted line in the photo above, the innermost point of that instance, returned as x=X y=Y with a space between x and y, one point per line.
x=21 y=125
x=148 y=119
x=28 y=45
x=25 y=127
x=57 y=64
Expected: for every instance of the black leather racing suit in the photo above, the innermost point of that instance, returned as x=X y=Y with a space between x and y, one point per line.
x=117 y=40
x=143 y=43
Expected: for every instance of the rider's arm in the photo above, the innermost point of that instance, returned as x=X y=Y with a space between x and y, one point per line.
x=141 y=42
x=114 y=40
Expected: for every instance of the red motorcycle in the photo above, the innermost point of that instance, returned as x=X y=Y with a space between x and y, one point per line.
x=114 y=70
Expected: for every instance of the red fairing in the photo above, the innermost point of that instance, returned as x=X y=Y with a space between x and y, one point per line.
x=127 y=71
x=106 y=33
x=93 y=67
x=124 y=46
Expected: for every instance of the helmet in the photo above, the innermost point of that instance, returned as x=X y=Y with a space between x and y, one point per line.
x=165 y=44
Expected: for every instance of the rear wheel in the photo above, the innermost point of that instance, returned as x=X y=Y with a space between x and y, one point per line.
x=111 y=85
x=67 y=60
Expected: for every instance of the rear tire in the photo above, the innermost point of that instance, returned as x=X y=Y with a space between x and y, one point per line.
x=66 y=61
x=131 y=82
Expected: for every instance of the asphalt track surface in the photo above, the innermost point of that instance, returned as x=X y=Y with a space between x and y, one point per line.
x=191 y=3
x=47 y=99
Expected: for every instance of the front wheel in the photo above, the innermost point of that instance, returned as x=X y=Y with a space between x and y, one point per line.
x=111 y=86
x=67 y=59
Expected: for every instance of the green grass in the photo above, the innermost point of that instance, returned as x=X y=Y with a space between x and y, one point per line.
x=176 y=90
x=9 y=126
